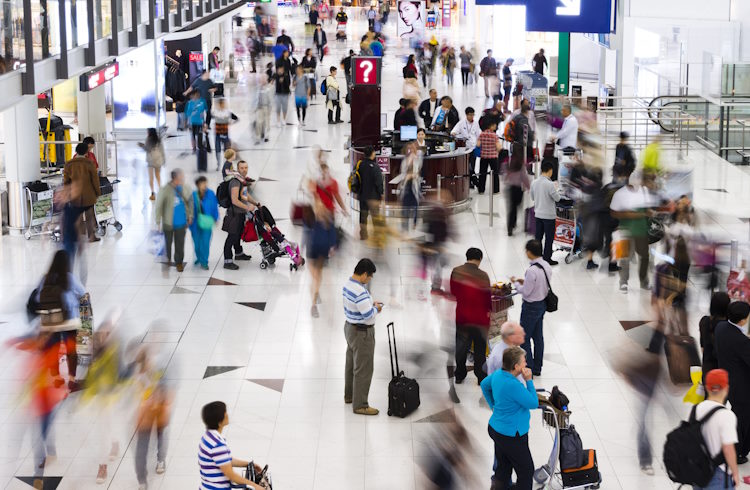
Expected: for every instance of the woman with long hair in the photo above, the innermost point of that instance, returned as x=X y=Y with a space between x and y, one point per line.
x=154 y=159
x=717 y=312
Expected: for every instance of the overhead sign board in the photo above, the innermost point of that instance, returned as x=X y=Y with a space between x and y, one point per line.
x=587 y=16
x=94 y=78
x=366 y=70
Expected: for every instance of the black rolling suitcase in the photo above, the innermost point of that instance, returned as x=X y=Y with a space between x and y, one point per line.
x=202 y=154
x=588 y=474
x=403 y=392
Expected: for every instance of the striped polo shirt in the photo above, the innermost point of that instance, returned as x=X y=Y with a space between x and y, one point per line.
x=212 y=453
x=358 y=304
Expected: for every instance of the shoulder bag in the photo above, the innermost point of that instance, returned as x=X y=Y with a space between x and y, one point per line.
x=551 y=299
x=204 y=221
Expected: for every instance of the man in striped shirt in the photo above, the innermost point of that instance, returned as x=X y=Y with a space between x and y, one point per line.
x=214 y=458
x=359 y=329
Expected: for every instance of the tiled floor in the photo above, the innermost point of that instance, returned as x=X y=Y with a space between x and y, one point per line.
x=246 y=337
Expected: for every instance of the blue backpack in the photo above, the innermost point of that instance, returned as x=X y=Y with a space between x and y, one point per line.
x=323 y=87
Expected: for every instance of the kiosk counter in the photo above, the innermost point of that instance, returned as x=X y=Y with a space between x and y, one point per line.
x=445 y=165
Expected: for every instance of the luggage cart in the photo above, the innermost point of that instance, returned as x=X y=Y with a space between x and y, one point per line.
x=341 y=31
x=41 y=203
x=567 y=231
x=549 y=476
x=104 y=211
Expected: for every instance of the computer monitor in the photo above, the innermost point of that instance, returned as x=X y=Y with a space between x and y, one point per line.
x=408 y=133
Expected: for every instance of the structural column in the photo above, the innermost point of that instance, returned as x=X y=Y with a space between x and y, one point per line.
x=92 y=121
x=22 y=162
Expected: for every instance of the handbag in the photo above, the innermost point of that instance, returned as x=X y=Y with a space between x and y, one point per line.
x=551 y=299
x=204 y=221
x=620 y=245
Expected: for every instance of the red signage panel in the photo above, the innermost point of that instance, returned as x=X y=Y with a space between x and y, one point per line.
x=367 y=70
x=99 y=76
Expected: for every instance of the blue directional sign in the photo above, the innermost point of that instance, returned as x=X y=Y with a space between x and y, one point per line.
x=569 y=15
x=588 y=16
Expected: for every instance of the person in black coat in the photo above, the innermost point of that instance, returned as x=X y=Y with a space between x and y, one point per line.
x=733 y=352
x=717 y=313
x=449 y=117
x=428 y=107
x=320 y=40
x=371 y=189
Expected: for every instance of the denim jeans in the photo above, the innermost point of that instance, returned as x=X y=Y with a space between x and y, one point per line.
x=532 y=318
x=220 y=141
x=718 y=481
x=69 y=232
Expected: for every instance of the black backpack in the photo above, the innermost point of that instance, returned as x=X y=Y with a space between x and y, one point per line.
x=686 y=456
x=223 y=195
x=571 y=449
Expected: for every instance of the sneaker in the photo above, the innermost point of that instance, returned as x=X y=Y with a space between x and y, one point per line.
x=647 y=469
x=204 y=267
x=367 y=411
x=591 y=265
x=180 y=267
x=645 y=286
x=624 y=288
x=101 y=475
x=242 y=256
x=161 y=467
x=231 y=266
x=314 y=311
x=613 y=267
x=114 y=451
x=453 y=395
x=552 y=262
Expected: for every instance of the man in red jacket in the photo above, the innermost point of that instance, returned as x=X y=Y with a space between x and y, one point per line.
x=471 y=287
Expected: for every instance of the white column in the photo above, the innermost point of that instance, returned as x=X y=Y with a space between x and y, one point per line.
x=22 y=162
x=92 y=121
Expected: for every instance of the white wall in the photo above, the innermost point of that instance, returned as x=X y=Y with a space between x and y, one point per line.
x=681 y=9
x=741 y=13
x=584 y=55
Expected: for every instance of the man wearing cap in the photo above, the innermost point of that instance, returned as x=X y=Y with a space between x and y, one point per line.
x=719 y=429
x=733 y=352
x=507 y=83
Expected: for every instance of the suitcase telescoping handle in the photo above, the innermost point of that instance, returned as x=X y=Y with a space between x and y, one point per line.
x=393 y=351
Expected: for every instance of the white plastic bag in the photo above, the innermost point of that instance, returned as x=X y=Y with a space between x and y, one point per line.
x=157 y=245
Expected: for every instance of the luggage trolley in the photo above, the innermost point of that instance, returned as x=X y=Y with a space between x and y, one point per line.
x=103 y=209
x=41 y=204
x=567 y=230
x=549 y=476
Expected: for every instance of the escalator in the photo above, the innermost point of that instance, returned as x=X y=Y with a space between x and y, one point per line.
x=691 y=104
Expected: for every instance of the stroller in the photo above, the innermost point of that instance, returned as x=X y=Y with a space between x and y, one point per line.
x=261 y=226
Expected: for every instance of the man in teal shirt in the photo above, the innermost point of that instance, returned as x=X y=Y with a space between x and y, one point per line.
x=511 y=404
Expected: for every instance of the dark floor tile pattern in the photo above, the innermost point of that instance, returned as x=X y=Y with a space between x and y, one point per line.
x=219 y=282
x=48 y=482
x=273 y=384
x=216 y=370
x=445 y=417
x=261 y=305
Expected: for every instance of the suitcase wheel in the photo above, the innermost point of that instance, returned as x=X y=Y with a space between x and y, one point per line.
x=118 y=226
x=390 y=412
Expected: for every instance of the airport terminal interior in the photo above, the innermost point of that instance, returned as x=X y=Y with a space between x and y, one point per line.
x=109 y=379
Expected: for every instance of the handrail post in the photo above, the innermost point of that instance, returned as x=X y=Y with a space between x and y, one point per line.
x=492 y=195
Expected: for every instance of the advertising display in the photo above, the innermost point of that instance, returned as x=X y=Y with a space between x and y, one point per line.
x=412 y=16
x=138 y=91
x=446 y=9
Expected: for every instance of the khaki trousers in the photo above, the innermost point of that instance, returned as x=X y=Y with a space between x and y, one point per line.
x=360 y=354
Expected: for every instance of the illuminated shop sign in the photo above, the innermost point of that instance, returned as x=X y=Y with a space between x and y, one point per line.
x=99 y=76
x=585 y=16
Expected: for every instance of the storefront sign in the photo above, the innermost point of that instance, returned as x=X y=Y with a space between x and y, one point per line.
x=195 y=57
x=99 y=76
x=587 y=16
x=367 y=70
x=385 y=164
x=446 y=8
